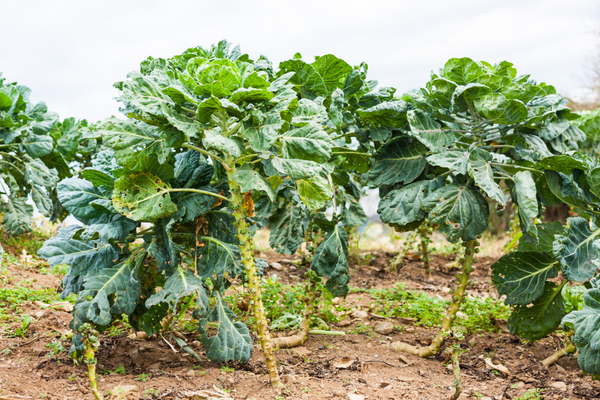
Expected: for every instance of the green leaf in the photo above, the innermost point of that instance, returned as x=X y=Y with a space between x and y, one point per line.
x=215 y=257
x=251 y=180
x=306 y=80
x=333 y=70
x=526 y=196
x=452 y=159
x=301 y=169
x=578 y=251
x=212 y=105
x=389 y=113
x=110 y=291
x=545 y=238
x=358 y=161
x=42 y=200
x=98 y=177
x=399 y=160
x=76 y=196
x=39 y=174
x=402 y=208
x=37 y=145
x=586 y=323
x=315 y=192
x=288 y=228
x=181 y=284
x=195 y=204
x=563 y=163
x=17 y=215
x=353 y=215
x=232 y=341
x=481 y=171
x=520 y=276
x=461 y=70
x=250 y=95
x=542 y=318
x=498 y=109
x=137 y=146
x=461 y=212
x=142 y=197
x=262 y=137
x=428 y=131
x=309 y=142
x=213 y=140
x=331 y=261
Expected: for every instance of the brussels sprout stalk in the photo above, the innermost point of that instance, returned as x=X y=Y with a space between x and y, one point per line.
x=90 y=338
x=425 y=240
x=243 y=207
x=568 y=349
x=457 y=298
x=311 y=301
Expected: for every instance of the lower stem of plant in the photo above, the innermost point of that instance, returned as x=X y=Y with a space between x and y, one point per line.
x=457 y=298
x=408 y=244
x=456 y=370
x=312 y=296
x=90 y=340
x=568 y=349
x=242 y=204
x=424 y=233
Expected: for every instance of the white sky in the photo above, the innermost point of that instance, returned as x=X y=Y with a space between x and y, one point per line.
x=71 y=52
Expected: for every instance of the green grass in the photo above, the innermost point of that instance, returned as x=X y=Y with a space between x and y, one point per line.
x=429 y=310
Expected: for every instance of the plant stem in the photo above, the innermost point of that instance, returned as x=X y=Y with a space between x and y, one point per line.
x=408 y=244
x=243 y=207
x=312 y=296
x=199 y=150
x=456 y=369
x=569 y=348
x=199 y=191
x=457 y=298
x=424 y=233
x=89 y=337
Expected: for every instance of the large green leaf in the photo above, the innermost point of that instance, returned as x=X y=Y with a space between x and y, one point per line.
x=263 y=136
x=428 y=131
x=215 y=257
x=137 y=146
x=39 y=174
x=110 y=291
x=389 y=113
x=315 y=192
x=143 y=197
x=42 y=200
x=195 y=204
x=76 y=196
x=578 y=251
x=309 y=142
x=546 y=233
x=333 y=70
x=232 y=341
x=461 y=70
x=586 y=323
x=182 y=283
x=482 y=173
x=399 y=160
x=213 y=140
x=251 y=180
x=452 y=159
x=301 y=169
x=460 y=211
x=37 y=145
x=526 y=197
x=306 y=80
x=331 y=261
x=287 y=228
x=402 y=208
x=520 y=276
x=500 y=110
x=540 y=319
x=353 y=215
x=17 y=215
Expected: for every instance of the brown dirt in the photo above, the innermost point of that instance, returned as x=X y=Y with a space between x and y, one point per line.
x=308 y=371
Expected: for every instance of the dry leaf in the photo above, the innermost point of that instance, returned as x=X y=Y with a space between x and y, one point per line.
x=354 y=396
x=499 y=367
x=343 y=363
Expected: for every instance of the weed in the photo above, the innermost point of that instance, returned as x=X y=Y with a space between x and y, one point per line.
x=151 y=392
x=225 y=368
x=120 y=369
x=429 y=311
x=531 y=394
x=22 y=330
x=143 y=377
x=56 y=348
x=7 y=351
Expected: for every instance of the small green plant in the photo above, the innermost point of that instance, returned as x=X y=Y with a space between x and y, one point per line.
x=120 y=370
x=151 y=392
x=143 y=377
x=56 y=348
x=306 y=390
x=225 y=368
x=531 y=394
x=22 y=330
x=7 y=351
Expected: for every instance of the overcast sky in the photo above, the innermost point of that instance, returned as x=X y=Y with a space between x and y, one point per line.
x=71 y=52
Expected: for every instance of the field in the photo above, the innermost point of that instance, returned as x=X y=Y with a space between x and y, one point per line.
x=361 y=363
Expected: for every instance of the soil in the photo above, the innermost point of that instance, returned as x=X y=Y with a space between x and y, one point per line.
x=310 y=371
